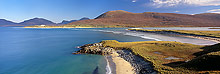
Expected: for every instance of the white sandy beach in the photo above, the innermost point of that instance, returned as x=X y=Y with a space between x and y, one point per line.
x=120 y=65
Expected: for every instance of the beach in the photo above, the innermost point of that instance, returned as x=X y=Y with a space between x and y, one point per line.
x=119 y=65
x=48 y=51
x=122 y=63
x=56 y=27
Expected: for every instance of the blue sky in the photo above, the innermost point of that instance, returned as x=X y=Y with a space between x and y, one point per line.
x=58 y=10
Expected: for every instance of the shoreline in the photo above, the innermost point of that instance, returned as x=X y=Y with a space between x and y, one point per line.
x=111 y=67
x=119 y=65
x=205 y=38
x=125 y=62
x=59 y=27
x=119 y=61
x=126 y=57
x=141 y=66
x=214 y=39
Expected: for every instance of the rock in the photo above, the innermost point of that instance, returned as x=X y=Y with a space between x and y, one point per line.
x=96 y=48
x=139 y=64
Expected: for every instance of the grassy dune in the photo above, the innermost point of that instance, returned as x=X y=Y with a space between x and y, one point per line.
x=157 y=52
x=214 y=28
x=190 y=32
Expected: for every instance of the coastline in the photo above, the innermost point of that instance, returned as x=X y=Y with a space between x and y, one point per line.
x=125 y=62
x=57 y=27
x=153 y=57
x=119 y=65
x=119 y=61
x=203 y=37
x=110 y=67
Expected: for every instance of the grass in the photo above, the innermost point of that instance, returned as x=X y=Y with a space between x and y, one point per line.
x=207 y=62
x=214 y=28
x=215 y=34
x=147 y=49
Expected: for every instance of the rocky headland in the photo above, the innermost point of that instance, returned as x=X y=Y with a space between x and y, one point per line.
x=151 y=57
x=139 y=65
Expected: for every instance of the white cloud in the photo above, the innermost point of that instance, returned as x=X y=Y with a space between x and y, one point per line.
x=134 y=1
x=214 y=11
x=160 y=3
x=177 y=11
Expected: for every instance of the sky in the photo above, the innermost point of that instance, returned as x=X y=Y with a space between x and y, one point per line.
x=58 y=10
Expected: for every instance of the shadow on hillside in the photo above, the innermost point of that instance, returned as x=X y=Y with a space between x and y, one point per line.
x=208 y=49
x=203 y=61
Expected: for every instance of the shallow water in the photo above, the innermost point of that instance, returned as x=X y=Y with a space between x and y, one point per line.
x=185 y=28
x=162 y=37
x=48 y=51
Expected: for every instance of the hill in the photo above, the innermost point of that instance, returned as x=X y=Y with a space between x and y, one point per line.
x=37 y=21
x=67 y=22
x=4 y=22
x=121 y=18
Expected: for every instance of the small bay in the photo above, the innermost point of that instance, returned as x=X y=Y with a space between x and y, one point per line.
x=49 y=51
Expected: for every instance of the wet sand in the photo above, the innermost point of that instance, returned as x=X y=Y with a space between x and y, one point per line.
x=119 y=65
x=56 y=27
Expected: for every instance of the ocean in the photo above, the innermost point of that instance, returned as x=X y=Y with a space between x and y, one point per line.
x=49 y=51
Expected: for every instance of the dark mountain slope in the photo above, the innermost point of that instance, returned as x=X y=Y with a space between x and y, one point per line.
x=67 y=22
x=128 y=19
x=37 y=21
x=4 y=22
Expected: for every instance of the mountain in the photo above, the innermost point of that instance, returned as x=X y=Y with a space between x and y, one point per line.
x=84 y=18
x=37 y=21
x=152 y=19
x=4 y=22
x=67 y=22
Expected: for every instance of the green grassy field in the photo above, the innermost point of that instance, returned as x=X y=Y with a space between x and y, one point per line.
x=157 y=51
x=191 y=32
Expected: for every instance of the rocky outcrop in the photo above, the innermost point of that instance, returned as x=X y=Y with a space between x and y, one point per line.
x=140 y=65
x=96 y=48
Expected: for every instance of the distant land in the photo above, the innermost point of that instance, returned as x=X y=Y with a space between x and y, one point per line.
x=35 y=21
x=67 y=22
x=122 y=18
x=4 y=22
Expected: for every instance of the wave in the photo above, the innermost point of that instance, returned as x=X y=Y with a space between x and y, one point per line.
x=108 y=68
x=129 y=33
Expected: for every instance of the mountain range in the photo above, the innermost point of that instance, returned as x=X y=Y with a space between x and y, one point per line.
x=152 y=19
x=67 y=22
x=122 y=18
x=35 y=21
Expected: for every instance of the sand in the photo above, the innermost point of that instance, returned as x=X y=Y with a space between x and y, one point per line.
x=56 y=27
x=122 y=66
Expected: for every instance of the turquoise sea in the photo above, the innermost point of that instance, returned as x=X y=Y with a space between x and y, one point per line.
x=49 y=51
